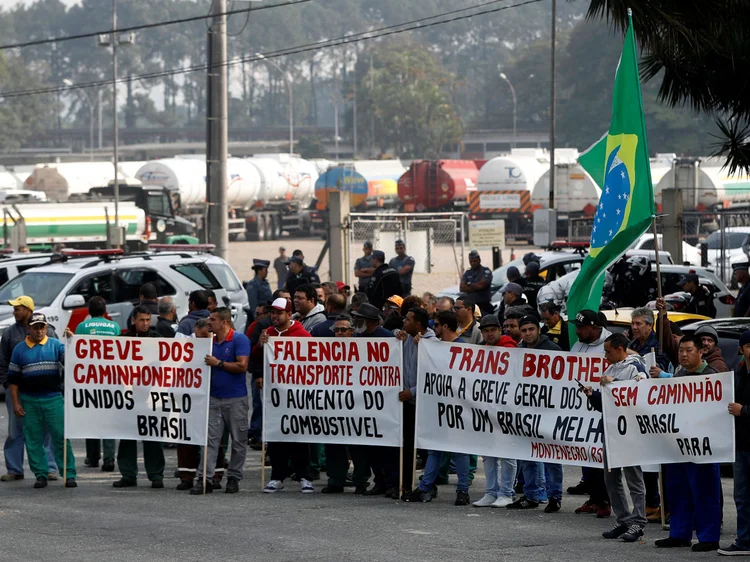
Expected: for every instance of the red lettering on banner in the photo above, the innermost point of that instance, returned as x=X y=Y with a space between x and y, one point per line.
x=625 y=396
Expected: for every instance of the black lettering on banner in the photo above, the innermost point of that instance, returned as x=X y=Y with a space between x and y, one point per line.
x=462 y=389
x=373 y=399
x=166 y=402
x=451 y=413
x=275 y=397
x=347 y=426
x=103 y=399
x=570 y=399
x=622 y=425
x=695 y=446
x=163 y=427
x=481 y=421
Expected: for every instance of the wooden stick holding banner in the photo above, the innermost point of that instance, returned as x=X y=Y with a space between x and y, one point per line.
x=661 y=346
x=263 y=465
x=401 y=466
x=208 y=409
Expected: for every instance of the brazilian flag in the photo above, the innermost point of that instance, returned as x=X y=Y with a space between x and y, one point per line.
x=619 y=164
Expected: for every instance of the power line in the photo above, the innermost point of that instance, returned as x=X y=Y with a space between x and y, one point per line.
x=345 y=40
x=147 y=25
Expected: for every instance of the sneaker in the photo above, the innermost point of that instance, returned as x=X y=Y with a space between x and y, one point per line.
x=273 y=486
x=523 y=503
x=615 y=532
x=108 y=466
x=10 y=477
x=41 y=482
x=462 y=498
x=434 y=492
x=91 y=463
x=587 y=507
x=184 y=485
x=255 y=444
x=604 y=511
x=635 y=532
x=502 y=501
x=216 y=484
x=734 y=550
x=124 y=483
x=553 y=506
x=391 y=493
x=376 y=490
x=306 y=487
x=671 y=542
x=485 y=501
x=71 y=483
x=157 y=484
x=332 y=490
x=705 y=546
x=233 y=486
x=416 y=496
x=52 y=476
x=197 y=490
x=580 y=489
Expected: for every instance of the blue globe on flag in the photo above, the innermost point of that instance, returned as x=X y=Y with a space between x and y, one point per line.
x=610 y=214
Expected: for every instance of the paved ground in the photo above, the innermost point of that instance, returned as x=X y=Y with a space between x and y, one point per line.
x=97 y=523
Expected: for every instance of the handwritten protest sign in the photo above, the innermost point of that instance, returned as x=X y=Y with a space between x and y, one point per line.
x=137 y=388
x=661 y=421
x=508 y=403
x=333 y=390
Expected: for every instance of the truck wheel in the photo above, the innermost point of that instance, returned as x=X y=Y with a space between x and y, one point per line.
x=276 y=221
x=261 y=235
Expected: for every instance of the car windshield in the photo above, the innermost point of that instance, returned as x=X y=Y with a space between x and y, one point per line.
x=199 y=273
x=733 y=240
x=500 y=275
x=42 y=286
x=226 y=276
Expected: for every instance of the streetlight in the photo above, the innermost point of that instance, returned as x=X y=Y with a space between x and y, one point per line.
x=515 y=104
x=68 y=82
x=262 y=57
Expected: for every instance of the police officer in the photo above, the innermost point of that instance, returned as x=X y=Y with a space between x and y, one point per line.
x=702 y=301
x=742 y=304
x=258 y=290
x=532 y=282
x=476 y=281
x=299 y=274
x=404 y=266
x=363 y=268
x=384 y=282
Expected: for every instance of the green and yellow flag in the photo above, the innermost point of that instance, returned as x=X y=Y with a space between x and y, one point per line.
x=619 y=164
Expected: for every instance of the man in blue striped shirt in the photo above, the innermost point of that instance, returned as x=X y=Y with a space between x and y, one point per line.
x=36 y=390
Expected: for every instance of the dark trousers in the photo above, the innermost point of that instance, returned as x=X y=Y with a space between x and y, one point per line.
x=597 y=490
x=256 y=417
x=384 y=464
x=189 y=458
x=281 y=453
x=405 y=289
x=694 y=492
x=94 y=449
x=337 y=464
x=742 y=497
x=153 y=459
x=410 y=416
x=651 y=479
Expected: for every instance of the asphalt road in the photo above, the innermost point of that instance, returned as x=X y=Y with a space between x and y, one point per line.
x=96 y=522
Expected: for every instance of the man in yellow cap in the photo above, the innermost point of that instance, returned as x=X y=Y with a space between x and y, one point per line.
x=23 y=307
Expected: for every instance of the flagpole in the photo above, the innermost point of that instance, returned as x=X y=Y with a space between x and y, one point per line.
x=658 y=275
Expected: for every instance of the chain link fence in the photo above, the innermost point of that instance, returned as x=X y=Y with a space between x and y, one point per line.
x=720 y=236
x=435 y=241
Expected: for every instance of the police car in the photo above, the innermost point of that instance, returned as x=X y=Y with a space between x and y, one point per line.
x=62 y=290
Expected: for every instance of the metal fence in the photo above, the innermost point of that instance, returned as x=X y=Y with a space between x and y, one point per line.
x=720 y=236
x=435 y=241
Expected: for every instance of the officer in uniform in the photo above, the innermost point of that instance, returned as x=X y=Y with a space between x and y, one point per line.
x=404 y=266
x=299 y=274
x=258 y=290
x=476 y=281
x=363 y=268
x=532 y=283
x=742 y=304
x=384 y=282
x=702 y=301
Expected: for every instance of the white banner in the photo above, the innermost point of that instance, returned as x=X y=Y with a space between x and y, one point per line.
x=661 y=421
x=137 y=388
x=332 y=390
x=508 y=403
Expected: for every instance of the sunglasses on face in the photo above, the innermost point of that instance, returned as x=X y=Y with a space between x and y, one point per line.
x=341 y=330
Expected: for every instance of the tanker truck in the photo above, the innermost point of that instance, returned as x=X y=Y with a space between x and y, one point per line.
x=265 y=195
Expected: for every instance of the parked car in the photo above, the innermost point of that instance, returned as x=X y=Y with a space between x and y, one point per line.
x=690 y=254
x=733 y=239
x=619 y=320
x=729 y=330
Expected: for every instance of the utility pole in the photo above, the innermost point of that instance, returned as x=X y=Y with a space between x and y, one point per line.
x=552 y=111
x=116 y=141
x=218 y=133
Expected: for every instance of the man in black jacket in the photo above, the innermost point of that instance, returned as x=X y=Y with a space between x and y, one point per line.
x=740 y=408
x=166 y=324
x=384 y=282
x=153 y=453
x=299 y=274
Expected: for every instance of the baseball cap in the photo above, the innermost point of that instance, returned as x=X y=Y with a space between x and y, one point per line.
x=379 y=255
x=367 y=244
x=23 y=300
x=587 y=317
x=38 y=318
x=528 y=319
x=488 y=321
x=473 y=254
x=689 y=278
x=396 y=299
x=341 y=285
x=512 y=288
x=282 y=304
x=296 y=259
x=745 y=338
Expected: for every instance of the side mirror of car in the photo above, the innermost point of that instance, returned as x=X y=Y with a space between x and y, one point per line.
x=73 y=301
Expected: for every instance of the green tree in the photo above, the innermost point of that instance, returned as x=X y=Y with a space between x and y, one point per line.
x=408 y=93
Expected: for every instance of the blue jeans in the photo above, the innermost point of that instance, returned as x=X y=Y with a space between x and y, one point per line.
x=533 y=480
x=256 y=417
x=500 y=475
x=14 y=443
x=694 y=492
x=553 y=476
x=742 y=497
x=432 y=469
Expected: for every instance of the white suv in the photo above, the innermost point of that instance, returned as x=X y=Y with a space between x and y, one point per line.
x=62 y=290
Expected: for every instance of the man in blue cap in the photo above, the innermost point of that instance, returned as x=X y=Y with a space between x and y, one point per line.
x=258 y=290
x=476 y=281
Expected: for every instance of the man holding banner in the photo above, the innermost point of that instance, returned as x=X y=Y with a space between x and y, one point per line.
x=630 y=525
